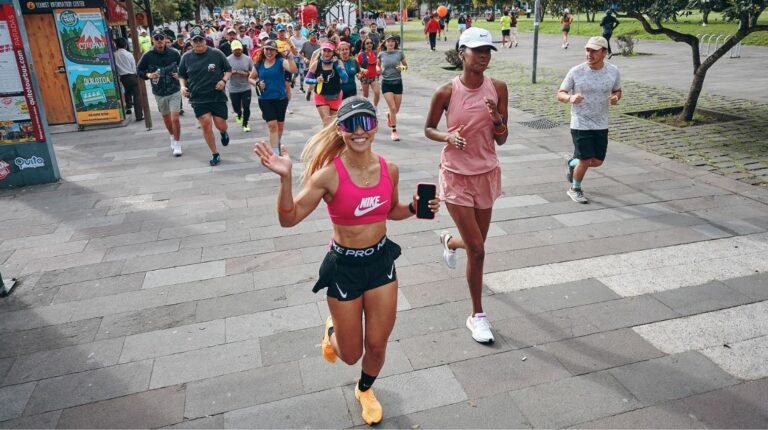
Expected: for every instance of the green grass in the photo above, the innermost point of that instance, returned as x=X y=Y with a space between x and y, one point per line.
x=580 y=27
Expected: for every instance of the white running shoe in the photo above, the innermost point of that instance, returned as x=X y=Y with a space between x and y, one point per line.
x=449 y=255
x=177 y=149
x=480 y=328
x=173 y=142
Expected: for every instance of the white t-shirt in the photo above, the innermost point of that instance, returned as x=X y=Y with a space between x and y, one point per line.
x=126 y=64
x=596 y=87
x=247 y=42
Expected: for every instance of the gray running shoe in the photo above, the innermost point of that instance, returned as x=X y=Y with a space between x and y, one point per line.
x=577 y=195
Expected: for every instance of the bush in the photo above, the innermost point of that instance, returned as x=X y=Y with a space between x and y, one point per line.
x=626 y=43
x=452 y=57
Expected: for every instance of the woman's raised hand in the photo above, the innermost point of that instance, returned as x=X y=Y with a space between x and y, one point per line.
x=280 y=164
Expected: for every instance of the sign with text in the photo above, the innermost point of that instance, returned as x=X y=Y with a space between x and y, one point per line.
x=19 y=111
x=47 y=6
x=88 y=60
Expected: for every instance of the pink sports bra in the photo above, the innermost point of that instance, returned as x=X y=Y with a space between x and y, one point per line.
x=355 y=205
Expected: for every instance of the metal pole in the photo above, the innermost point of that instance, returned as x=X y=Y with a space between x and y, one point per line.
x=402 y=37
x=137 y=57
x=360 y=12
x=535 y=38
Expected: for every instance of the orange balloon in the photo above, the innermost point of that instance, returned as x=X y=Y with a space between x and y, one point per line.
x=442 y=11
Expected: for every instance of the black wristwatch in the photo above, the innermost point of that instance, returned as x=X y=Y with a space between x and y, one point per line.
x=411 y=208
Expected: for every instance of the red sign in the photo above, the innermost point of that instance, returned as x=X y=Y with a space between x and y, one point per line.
x=8 y=14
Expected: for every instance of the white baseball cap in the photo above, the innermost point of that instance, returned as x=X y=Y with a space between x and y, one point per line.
x=263 y=35
x=475 y=37
x=597 y=43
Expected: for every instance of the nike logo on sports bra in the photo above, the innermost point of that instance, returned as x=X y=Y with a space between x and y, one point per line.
x=368 y=204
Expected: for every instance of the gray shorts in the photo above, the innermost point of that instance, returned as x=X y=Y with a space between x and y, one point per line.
x=169 y=103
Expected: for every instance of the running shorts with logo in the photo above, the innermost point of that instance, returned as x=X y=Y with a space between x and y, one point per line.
x=350 y=272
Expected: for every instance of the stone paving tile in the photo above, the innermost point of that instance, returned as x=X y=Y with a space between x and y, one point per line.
x=98 y=288
x=149 y=409
x=745 y=360
x=182 y=257
x=708 y=329
x=83 y=273
x=574 y=400
x=239 y=249
x=209 y=288
x=318 y=375
x=431 y=319
x=488 y=412
x=120 y=303
x=182 y=274
x=670 y=415
x=411 y=392
x=435 y=293
x=325 y=409
x=192 y=230
x=626 y=312
x=212 y=422
x=50 y=337
x=173 y=340
x=46 y=420
x=270 y=322
x=90 y=386
x=146 y=320
x=205 y=363
x=447 y=347
x=671 y=377
x=46 y=251
x=260 y=262
x=740 y=406
x=215 y=239
x=14 y=398
x=754 y=286
x=57 y=362
x=601 y=351
x=701 y=298
x=291 y=346
x=507 y=371
x=243 y=389
x=566 y=295
x=5 y=366
x=240 y=304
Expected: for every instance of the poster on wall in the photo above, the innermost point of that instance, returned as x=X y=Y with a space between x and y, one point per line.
x=88 y=60
x=19 y=116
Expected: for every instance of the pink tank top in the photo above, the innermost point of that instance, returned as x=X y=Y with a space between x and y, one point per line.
x=355 y=205
x=467 y=108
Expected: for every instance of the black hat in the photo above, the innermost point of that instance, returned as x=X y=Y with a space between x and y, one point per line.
x=196 y=33
x=158 y=32
x=354 y=106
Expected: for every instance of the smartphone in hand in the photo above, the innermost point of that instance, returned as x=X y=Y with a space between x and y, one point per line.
x=426 y=192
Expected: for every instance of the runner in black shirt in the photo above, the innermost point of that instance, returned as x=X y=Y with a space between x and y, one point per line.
x=204 y=73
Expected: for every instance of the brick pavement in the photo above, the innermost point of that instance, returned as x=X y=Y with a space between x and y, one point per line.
x=160 y=292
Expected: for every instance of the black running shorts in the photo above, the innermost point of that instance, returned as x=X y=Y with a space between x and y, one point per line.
x=218 y=109
x=589 y=144
x=273 y=110
x=347 y=273
x=395 y=87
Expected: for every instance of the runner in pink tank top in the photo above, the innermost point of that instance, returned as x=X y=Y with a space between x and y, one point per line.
x=360 y=190
x=470 y=177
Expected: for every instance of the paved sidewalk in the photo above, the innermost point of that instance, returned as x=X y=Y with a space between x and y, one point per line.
x=159 y=291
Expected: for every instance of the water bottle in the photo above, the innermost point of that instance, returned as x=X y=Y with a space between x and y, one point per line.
x=155 y=81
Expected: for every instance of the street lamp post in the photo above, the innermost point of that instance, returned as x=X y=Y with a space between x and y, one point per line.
x=535 y=38
x=402 y=38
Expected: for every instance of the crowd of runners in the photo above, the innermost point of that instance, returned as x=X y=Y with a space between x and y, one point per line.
x=220 y=69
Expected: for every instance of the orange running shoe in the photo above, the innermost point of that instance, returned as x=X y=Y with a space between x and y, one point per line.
x=328 y=353
x=372 y=413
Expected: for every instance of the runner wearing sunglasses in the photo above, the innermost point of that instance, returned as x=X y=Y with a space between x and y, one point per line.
x=360 y=190
x=327 y=73
x=268 y=75
x=369 y=76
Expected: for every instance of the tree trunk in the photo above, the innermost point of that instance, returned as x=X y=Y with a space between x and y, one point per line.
x=693 y=94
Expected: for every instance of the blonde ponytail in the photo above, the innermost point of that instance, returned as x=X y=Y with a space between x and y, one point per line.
x=321 y=149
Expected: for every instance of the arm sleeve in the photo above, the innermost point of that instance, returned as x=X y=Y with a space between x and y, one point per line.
x=617 y=83
x=342 y=73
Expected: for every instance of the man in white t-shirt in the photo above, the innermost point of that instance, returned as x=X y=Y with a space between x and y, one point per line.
x=590 y=88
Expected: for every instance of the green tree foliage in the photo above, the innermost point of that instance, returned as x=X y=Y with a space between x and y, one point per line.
x=653 y=14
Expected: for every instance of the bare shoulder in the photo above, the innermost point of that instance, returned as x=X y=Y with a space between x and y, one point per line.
x=326 y=178
x=394 y=171
x=500 y=86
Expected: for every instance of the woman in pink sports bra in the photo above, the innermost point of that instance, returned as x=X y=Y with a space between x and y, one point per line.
x=360 y=190
x=470 y=176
